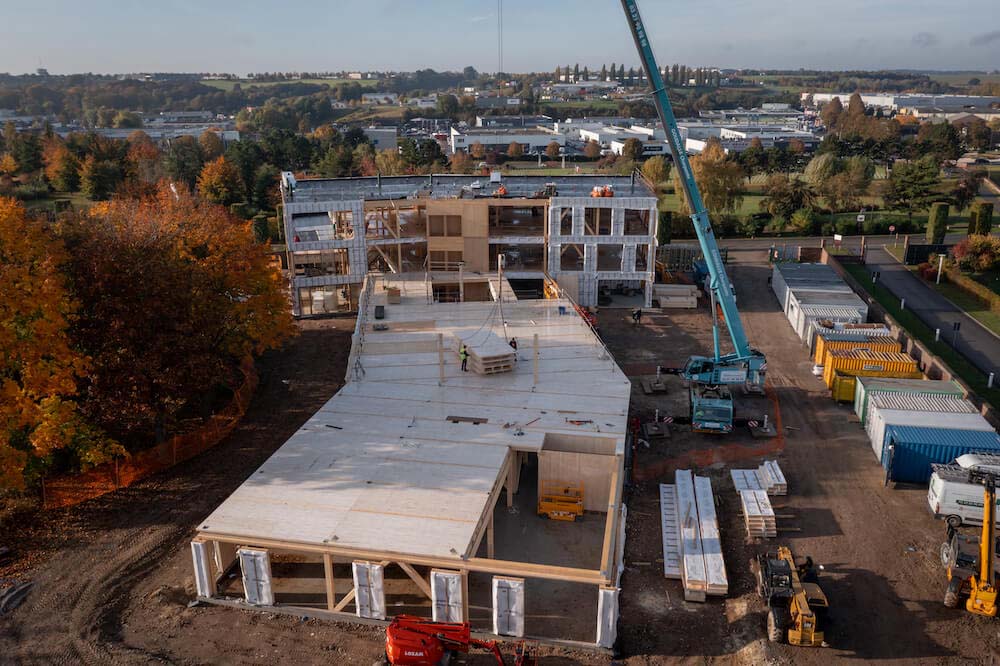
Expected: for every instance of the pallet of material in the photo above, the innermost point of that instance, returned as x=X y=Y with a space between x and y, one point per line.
x=673 y=290
x=758 y=515
x=677 y=302
x=772 y=479
x=768 y=477
x=668 y=525
x=488 y=353
x=702 y=566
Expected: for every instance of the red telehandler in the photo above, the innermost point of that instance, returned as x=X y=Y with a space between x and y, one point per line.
x=415 y=641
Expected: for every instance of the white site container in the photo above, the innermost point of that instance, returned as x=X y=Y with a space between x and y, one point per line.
x=785 y=278
x=866 y=387
x=914 y=402
x=886 y=417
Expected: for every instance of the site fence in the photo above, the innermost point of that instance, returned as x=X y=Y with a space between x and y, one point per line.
x=71 y=489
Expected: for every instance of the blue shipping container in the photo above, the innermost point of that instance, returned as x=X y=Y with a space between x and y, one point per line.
x=909 y=451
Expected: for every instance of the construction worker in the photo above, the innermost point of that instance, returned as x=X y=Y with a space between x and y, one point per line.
x=513 y=344
x=637 y=316
x=463 y=354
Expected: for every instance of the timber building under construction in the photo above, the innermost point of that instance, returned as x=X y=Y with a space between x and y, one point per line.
x=491 y=495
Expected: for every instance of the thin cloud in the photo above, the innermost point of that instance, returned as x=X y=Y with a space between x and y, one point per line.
x=985 y=38
x=480 y=19
x=925 y=39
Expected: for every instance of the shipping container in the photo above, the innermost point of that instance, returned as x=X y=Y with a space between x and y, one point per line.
x=909 y=451
x=853 y=342
x=865 y=387
x=804 y=309
x=870 y=363
x=884 y=418
x=827 y=327
x=915 y=403
x=784 y=276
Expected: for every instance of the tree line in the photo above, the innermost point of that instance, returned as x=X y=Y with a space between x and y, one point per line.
x=127 y=325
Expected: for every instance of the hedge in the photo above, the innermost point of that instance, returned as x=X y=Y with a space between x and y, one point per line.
x=972 y=287
x=937 y=223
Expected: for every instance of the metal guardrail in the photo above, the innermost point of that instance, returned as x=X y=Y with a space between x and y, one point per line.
x=354 y=365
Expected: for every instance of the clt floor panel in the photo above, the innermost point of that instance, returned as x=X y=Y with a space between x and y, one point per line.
x=383 y=467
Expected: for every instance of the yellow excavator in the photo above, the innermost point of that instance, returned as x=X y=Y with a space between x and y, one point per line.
x=793 y=597
x=971 y=561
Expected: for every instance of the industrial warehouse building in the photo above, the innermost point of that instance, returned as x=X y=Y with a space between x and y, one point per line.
x=451 y=229
x=415 y=488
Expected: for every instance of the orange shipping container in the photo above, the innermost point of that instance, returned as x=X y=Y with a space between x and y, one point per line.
x=828 y=343
x=868 y=364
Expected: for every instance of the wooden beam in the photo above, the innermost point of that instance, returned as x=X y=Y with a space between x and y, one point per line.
x=491 y=504
x=465 y=596
x=395 y=269
x=478 y=564
x=489 y=538
x=348 y=598
x=610 y=536
x=328 y=577
x=415 y=577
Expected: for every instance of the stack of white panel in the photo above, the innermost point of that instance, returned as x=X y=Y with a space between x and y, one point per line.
x=758 y=514
x=703 y=569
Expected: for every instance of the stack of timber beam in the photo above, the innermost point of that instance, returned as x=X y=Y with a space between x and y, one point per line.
x=772 y=479
x=758 y=514
x=767 y=477
x=488 y=352
x=703 y=569
x=671 y=536
x=676 y=295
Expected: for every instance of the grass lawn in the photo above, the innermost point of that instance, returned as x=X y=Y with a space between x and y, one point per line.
x=968 y=372
x=75 y=199
x=248 y=83
x=367 y=114
x=974 y=307
x=749 y=206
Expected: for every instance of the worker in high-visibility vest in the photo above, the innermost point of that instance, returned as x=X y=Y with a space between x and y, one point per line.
x=463 y=354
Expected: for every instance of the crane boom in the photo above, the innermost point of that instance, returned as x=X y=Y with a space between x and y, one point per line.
x=752 y=361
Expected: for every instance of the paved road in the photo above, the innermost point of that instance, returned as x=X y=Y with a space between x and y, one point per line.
x=976 y=343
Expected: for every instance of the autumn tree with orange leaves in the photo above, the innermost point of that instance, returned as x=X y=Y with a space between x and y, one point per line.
x=220 y=183
x=174 y=293
x=41 y=371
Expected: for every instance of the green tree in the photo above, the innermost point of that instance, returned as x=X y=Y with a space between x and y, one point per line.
x=937 y=223
x=784 y=196
x=822 y=168
x=656 y=170
x=664 y=227
x=127 y=120
x=719 y=179
x=184 y=160
x=913 y=185
x=447 y=105
x=99 y=178
x=981 y=218
x=265 y=186
x=940 y=140
x=967 y=189
x=390 y=163
x=632 y=149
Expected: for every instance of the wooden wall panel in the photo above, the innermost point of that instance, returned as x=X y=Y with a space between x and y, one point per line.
x=594 y=471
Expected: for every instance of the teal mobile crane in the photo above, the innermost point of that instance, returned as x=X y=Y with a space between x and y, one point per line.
x=709 y=377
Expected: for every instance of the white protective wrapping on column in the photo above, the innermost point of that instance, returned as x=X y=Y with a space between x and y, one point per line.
x=446 y=595
x=508 y=606
x=369 y=593
x=202 y=574
x=607 y=616
x=256 y=567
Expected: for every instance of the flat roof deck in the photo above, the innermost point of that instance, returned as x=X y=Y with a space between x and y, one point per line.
x=317 y=190
x=380 y=467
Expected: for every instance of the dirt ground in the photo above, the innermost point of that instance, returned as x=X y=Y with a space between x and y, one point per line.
x=113 y=579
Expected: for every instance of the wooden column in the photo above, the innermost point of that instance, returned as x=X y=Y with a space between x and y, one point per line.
x=331 y=602
x=536 y=359
x=465 y=595
x=440 y=358
x=489 y=535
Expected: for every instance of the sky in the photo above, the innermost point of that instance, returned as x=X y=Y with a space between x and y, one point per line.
x=319 y=35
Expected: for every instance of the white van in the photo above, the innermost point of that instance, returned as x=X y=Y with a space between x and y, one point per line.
x=951 y=497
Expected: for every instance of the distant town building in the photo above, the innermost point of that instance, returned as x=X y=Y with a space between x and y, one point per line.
x=499 y=139
x=382 y=138
x=380 y=98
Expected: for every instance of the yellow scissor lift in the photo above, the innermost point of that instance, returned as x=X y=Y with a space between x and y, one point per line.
x=559 y=500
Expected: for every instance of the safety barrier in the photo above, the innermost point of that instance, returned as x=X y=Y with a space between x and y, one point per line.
x=71 y=489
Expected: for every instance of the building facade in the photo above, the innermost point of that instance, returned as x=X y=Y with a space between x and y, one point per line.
x=448 y=227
